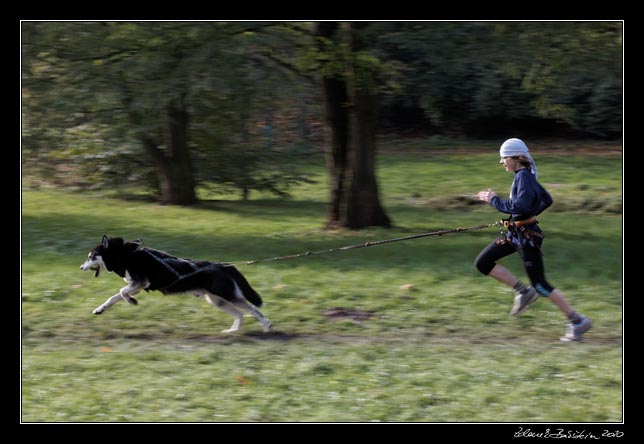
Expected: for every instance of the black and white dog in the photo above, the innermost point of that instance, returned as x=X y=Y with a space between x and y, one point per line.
x=148 y=269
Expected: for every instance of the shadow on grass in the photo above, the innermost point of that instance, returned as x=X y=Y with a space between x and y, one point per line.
x=70 y=237
x=72 y=234
x=268 y=208
x=281 y=336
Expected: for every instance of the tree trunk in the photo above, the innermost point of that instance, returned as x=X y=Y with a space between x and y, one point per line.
x=363 y=207
x=351 y=159
x=174 y=164
x=334 y=93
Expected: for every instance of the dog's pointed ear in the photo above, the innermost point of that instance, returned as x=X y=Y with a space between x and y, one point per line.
x=105 y=241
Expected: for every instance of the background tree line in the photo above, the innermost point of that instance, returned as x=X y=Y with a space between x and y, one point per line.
x=173 y=106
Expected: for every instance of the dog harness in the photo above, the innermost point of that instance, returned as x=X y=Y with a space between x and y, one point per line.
x=179 y=267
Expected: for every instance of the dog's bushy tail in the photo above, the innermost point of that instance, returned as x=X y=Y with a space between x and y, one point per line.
x=249 y=292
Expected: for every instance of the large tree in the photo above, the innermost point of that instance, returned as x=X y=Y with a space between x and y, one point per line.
x=349 y=92
x=130 y=81
x=170 y=103
x=334 y=95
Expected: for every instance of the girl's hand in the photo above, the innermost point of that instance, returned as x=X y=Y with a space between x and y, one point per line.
x=486 y=195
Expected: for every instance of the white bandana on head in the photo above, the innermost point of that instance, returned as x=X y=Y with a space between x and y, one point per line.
x=516 y=147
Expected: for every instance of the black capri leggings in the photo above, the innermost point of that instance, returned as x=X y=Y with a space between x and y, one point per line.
x=530 y=255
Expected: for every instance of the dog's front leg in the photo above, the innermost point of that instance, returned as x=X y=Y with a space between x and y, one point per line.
x=125 y=294
x=107 y=304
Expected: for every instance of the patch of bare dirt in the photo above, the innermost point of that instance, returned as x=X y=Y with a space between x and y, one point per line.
x=347 y=314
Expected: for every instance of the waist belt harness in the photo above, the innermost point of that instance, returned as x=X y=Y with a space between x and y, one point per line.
x=518 y=230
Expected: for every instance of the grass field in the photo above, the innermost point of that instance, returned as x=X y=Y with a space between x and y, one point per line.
x=349 y=344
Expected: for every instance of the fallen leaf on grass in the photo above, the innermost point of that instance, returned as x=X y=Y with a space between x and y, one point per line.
x=242 y=380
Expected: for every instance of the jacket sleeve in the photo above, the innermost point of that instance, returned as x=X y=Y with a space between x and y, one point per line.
x=523 y=199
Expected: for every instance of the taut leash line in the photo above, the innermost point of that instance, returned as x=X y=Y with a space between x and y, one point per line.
x=362 y=245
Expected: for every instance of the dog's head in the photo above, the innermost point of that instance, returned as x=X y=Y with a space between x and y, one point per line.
x=94 y=260
x=109 y=254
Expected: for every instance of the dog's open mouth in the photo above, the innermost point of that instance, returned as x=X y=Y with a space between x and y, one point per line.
x=96 y=269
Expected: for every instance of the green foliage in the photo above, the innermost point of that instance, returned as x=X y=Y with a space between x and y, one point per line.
x=93 y=91
x=484 y=76
x=575 y=73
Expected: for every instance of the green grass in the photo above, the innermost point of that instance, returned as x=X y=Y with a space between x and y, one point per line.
x=444 y=351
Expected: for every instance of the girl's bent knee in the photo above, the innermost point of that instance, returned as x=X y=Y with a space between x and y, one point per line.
x=485 y=267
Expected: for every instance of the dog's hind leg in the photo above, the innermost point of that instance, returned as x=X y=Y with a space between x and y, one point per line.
x=229 y=308
x=266 y=323
x=245 y=305
x=242 y=303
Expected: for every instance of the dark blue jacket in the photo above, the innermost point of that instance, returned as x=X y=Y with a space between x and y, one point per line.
x=527 y=197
